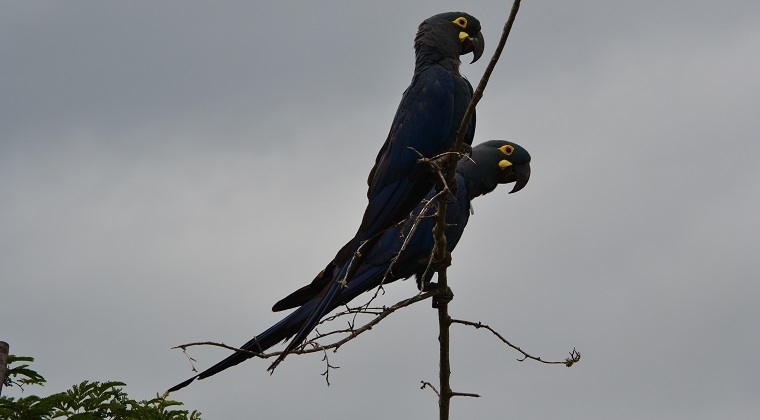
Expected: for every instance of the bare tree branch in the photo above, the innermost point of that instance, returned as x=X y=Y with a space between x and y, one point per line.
x=426 y=384
x=328 y=366
x=478 y=94
x=442 y=299
x=575 y=356
x=314 y=346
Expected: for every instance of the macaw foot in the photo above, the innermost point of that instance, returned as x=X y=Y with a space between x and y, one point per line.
x=442 y=297
x=445 y=262
x=439 y=161
x=426 y=285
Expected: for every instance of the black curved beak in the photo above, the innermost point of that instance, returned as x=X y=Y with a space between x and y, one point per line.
x=475 y=45
x=522 y=175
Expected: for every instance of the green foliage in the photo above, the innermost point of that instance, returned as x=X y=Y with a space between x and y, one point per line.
x=85 y=401
x=21 y=375
x=32 y=407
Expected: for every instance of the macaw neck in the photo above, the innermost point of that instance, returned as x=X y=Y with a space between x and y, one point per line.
x=434 y=48
x=476 y=183
x=476 y=188
x=427 y=60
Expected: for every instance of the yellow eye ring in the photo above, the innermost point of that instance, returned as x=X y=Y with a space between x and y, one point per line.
x=507 y=149
x=461 y=22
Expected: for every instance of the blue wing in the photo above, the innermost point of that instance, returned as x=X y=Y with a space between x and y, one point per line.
x=425 y=125
x=369 y=274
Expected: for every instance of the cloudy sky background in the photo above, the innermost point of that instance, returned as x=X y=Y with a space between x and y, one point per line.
x=169 y=170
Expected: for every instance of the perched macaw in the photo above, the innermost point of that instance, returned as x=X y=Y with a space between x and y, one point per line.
x=492 y=163
x=426 y=121
x=425 y=125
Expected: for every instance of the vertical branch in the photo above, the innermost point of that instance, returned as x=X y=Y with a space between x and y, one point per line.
x=4 y=350
x=444 y=295
x=486 y=75
x=440 y=302
x=444 y=373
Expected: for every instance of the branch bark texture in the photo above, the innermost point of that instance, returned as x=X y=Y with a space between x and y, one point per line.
x=4 y=350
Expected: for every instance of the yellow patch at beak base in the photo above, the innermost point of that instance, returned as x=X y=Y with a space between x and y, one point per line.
x=504 y=164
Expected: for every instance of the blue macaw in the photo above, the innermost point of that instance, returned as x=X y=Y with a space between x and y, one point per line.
x=492 y=163
x=425 y=125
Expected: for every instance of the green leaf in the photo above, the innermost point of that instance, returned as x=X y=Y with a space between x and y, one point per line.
x=21 y=375
x=84 y=401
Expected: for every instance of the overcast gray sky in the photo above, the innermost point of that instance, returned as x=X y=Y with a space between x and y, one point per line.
x=169 y=170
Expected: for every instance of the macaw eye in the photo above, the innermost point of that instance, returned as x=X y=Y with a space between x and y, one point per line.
x=507 y=149
x=504 y=164
x=461 y=22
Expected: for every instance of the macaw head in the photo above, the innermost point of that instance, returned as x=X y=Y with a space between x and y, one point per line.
x=492 y=163
x=449 y=35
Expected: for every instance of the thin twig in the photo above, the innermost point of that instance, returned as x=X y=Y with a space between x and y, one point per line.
x=465 y=394
x=328 y=366
x=575 y=356
x=353 y=333
x=478 y=94
x=426 y=384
